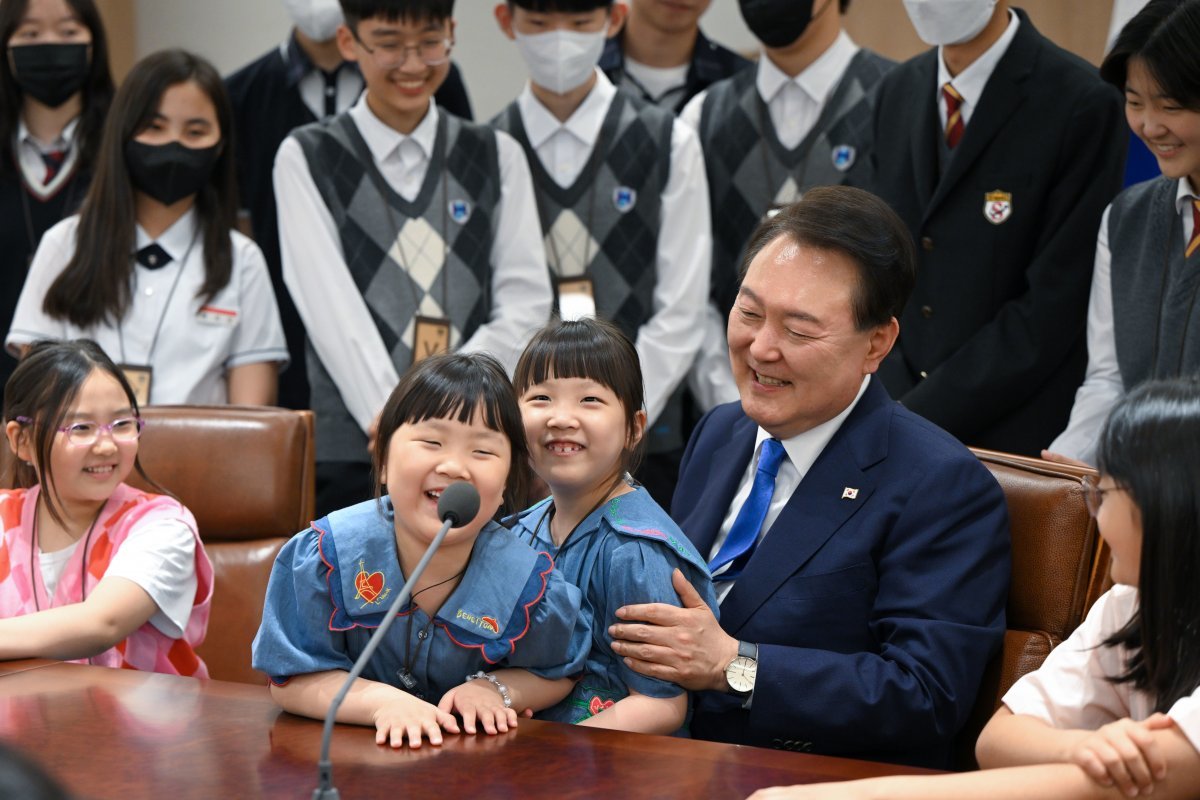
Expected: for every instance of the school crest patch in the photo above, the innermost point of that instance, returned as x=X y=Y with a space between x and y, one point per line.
x=843 y=157
x=460 y=211
x=997 y=206
x=624 y=198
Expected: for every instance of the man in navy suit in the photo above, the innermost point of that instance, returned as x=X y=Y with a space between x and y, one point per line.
x=862 y=587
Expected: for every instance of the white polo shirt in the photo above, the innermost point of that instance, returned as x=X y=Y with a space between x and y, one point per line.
x=197 y=341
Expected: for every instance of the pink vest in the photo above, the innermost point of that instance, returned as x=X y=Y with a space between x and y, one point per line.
x=147 y=648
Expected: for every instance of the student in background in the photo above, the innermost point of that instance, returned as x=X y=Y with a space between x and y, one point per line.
x=303 y=80
x=151 y=267
x=622 y=198
x=486 y=602
x=1147 y=269
x=999 y=150
x=1114 y=711
x=55 y=89
x=800 y=119
x=580 y=388
x=94 y=569
x=662 y=56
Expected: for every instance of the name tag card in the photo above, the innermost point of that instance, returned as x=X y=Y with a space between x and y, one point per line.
x=139 y=378
x=431 y=337
x=576 y=299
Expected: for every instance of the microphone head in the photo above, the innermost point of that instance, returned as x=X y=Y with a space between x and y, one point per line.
x=459 y=503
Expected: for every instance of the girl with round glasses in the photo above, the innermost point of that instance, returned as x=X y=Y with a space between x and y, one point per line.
x=90 y=567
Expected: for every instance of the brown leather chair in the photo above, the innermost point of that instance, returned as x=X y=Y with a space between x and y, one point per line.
x=1059 y=568
x=246 y=473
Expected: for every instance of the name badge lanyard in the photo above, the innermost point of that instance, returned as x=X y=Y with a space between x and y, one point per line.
x=431 y=335
x=140 y=376
x=575 y=293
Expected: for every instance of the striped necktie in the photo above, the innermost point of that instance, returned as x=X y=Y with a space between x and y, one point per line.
x=954 y=119
x=1194 y=243
x=53 y=161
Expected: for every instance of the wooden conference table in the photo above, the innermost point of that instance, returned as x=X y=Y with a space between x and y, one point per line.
x=108 y=733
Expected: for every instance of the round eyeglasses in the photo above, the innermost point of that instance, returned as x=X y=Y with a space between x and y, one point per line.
x=1093 y=495
x=433 y=51
x=87 y=433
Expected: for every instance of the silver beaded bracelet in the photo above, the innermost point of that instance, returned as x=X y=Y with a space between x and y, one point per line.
x=500 y=687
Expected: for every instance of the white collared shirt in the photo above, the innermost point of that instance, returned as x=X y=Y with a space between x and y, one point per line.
x=335 y=314
x=1102 y=385
x=669 y=340
x=971 y=82
x=198 y=341
x=312 y=88
x=802 y=450
x=795 y=103
x=33 y=168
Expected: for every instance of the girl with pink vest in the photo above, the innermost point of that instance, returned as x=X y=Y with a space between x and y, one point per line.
x=91 y=568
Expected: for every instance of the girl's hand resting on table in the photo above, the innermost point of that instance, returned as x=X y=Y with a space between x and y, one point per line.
x=414 y=719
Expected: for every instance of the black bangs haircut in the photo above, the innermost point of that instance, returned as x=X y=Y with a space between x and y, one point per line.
x=437 y=11
x=43 y=388
x=97 y=89
x=860 y=226
x=95 y=286
x=563 y=6
x=458 y=386
x=594 y=349
x=1150 y=447
x=1165 y=37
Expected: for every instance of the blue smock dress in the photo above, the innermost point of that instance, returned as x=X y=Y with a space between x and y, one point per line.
x=622 y=553
x=332 y=584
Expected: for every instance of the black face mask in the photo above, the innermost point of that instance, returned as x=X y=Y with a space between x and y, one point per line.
x=50 y=73
x=169 y=172
x=776 y=23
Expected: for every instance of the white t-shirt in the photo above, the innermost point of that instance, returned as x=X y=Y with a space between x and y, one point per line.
x=159 y=557
x=197 y=341
x=1071 y=689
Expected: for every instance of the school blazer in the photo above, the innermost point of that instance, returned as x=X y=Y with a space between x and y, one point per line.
x=992 y=341
x=876 y=598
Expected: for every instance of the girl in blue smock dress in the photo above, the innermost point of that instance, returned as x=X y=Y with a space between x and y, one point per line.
x=492 y=629
x=580 y=388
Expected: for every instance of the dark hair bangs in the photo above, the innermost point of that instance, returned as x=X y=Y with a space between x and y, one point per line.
x=561 y=6
x=414 y=11
x=1162 y=36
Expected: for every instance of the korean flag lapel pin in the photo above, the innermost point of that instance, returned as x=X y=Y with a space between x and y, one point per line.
x=997 y=206
x=850 y=493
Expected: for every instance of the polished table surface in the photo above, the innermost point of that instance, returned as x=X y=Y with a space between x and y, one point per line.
x=109 y=733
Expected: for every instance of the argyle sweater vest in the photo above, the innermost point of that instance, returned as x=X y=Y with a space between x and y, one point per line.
x=429 y=257
x=750 y=171
x=1156 y=324
x=605 y=225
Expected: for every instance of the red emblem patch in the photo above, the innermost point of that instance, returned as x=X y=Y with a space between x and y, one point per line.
x=368 y=586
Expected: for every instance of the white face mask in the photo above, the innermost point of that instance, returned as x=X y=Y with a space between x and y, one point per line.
x=316 y=19
x=942 y=22
x=561 y=60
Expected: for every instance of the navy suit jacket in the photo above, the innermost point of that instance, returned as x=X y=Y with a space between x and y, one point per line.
x=992 y=344
x=876 y=615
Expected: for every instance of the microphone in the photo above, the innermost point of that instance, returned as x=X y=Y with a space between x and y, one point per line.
x=457 y=506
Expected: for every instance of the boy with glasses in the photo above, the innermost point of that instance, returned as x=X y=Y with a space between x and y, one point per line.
x=390 y=220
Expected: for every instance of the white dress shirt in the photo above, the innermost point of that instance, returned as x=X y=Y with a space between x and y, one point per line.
x=667 y=342
x=971 y=82
x=802 y=451
x=1102 y=385
x=663 y=84
x=335 y=314
x=189 y=342
x=312 y=87
x=33 y=168
x=794 y=104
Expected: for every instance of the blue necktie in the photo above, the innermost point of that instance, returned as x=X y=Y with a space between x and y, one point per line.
x=743 y=536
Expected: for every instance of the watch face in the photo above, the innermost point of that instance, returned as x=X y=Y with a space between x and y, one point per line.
x=740 y=674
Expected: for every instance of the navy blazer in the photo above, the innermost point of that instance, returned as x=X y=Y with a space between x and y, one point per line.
x=992 y=344
x=875 y=615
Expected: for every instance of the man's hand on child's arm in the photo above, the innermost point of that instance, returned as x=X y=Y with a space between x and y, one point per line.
x=479 y=700
x=1124 y=753
x=406 y=717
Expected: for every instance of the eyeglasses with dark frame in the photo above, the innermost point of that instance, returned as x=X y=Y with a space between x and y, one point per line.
x=433 y=51
x=87 y=432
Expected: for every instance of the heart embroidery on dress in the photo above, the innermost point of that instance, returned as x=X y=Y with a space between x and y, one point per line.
x=368 y=586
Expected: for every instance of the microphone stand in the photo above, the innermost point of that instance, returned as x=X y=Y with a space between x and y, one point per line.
x=325 y=789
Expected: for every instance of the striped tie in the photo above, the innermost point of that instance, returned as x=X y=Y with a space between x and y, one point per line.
x=954 y=120
x=1194 y=242
x=53 y=161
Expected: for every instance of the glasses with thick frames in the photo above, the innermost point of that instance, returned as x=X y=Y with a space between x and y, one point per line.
x=86 y=434
x=433 y=51
x=1093 y=495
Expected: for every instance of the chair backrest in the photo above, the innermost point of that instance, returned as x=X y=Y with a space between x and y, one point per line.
x=247 y=474
x=1059 y=568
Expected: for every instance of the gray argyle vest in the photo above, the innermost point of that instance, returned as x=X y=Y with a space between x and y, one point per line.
x=616 y=202
x=749 y=169
x=1156 y=324
x=428 y=257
